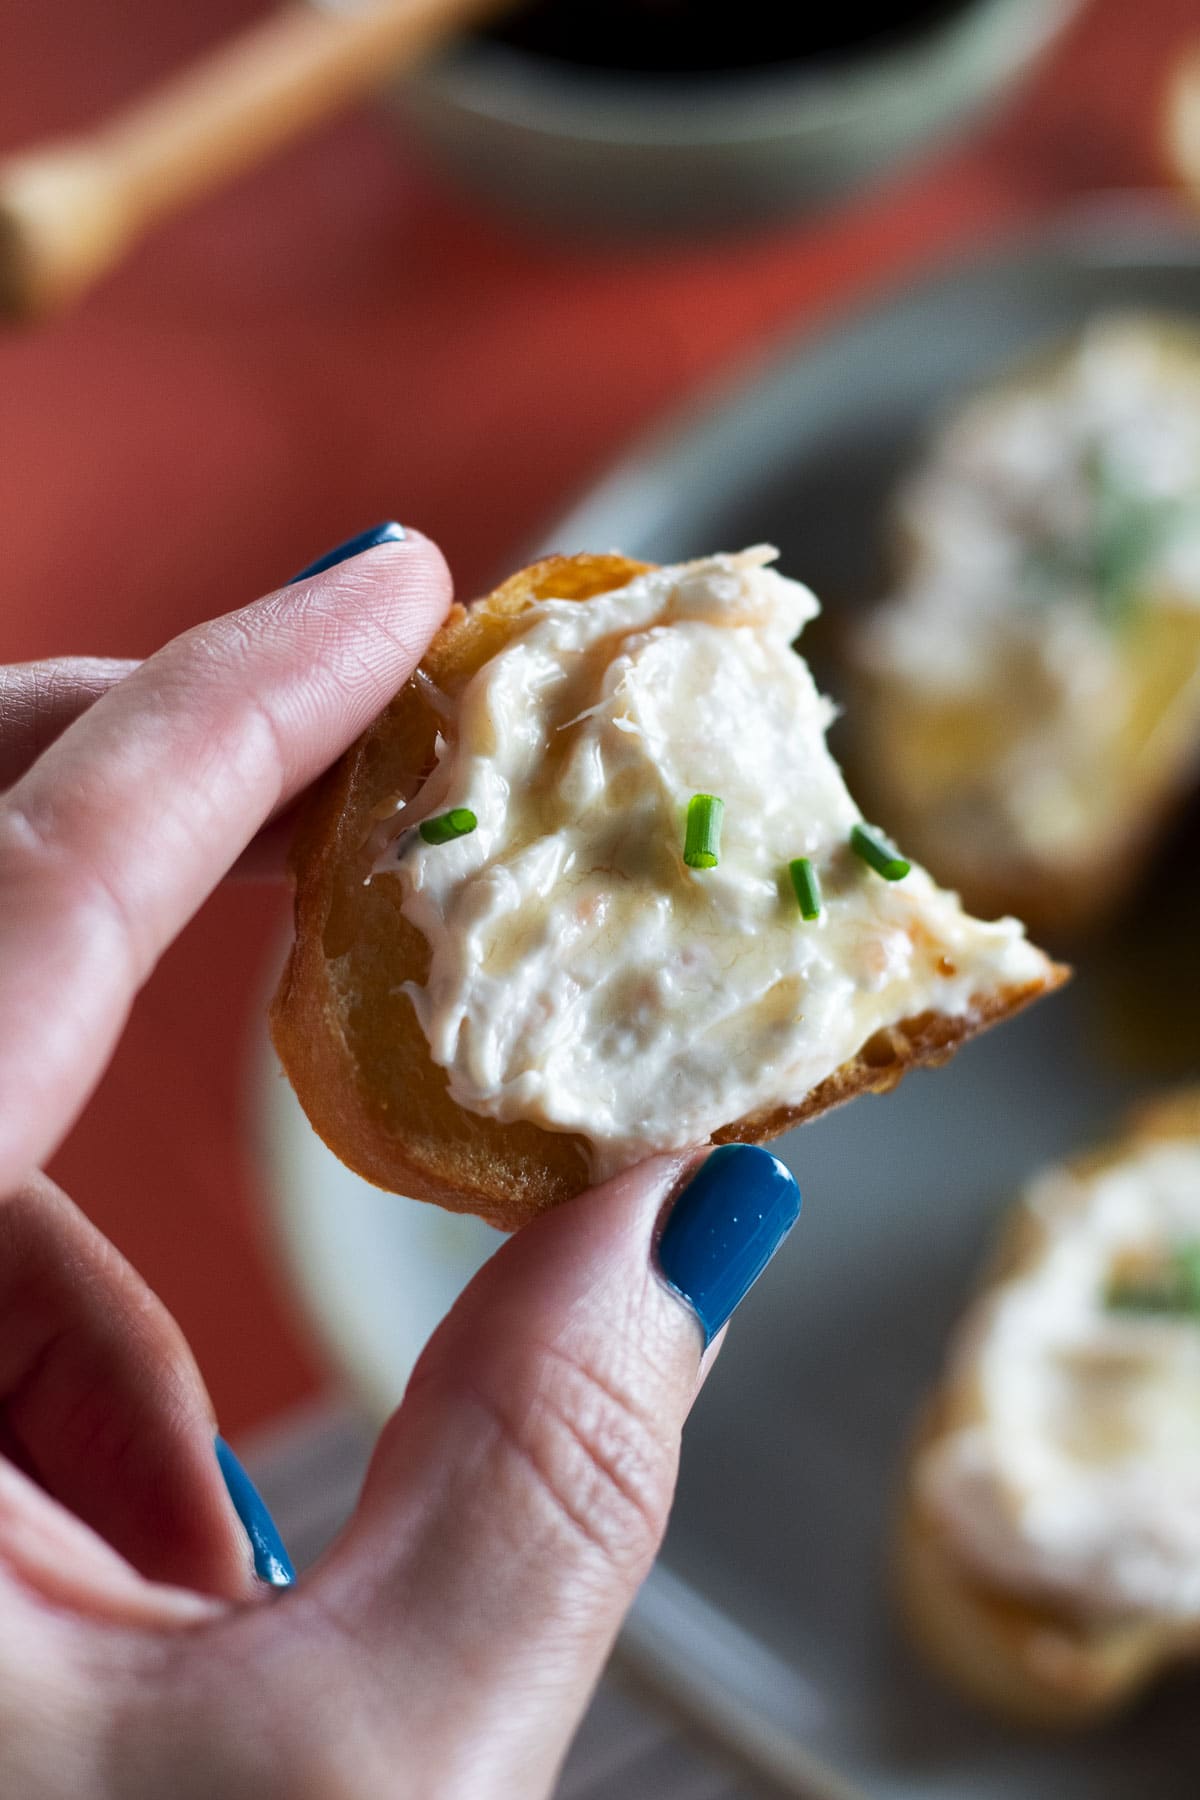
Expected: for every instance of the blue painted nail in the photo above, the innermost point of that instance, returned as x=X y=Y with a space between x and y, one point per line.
x=724 y=1228
x=387 y=533
x=271 y=1561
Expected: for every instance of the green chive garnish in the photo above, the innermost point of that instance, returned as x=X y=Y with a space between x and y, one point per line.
x=456 y=823
x=879 y=853
x=1167 y=1285
x=702 y=840
x=1125 y=533
x=807 y=887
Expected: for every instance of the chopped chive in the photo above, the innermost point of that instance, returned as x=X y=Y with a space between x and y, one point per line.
x=879 y=853
x=1168 y=1285
x=456 y=823
x=702 y=839
x=807 y=887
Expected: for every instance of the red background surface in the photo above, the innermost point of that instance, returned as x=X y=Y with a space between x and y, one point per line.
x=343 y=338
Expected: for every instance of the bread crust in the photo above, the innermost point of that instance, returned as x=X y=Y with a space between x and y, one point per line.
x=350 y=1041
x=1033 y=1662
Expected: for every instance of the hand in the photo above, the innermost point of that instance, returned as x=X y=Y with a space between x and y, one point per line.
x=448 y=1642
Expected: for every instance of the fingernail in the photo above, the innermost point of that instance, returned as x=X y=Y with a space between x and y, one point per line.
x=387 y=533
x=271 y=1561
x=724 y=1228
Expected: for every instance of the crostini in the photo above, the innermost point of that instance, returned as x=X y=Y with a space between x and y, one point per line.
x=592 y=887
x=1027 y=710
x=1049 y=1545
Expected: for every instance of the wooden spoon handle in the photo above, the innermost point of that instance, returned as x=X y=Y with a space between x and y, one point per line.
x=70 y=210
x=1181 y=120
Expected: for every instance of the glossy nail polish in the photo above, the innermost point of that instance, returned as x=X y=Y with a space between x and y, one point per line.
x=272 y=1563
x=387 y=533
x=723 y=1229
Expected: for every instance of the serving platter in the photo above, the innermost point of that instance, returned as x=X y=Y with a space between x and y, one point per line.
x=769 y=1612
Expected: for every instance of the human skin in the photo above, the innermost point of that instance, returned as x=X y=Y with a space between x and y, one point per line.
x=447 y=1643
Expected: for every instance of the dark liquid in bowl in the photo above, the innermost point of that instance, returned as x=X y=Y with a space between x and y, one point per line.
x=706 y=37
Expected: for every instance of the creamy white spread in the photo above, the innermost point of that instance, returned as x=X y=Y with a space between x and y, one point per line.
x=1081 y=1476
x=581 y=975
x=1051 y=520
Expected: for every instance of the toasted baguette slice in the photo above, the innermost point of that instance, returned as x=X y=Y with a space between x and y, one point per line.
x=1033 y=1660
x=1030 y=731
x=352 y=1046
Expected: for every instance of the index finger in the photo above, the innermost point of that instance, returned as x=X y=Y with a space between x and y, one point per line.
x=117 y=834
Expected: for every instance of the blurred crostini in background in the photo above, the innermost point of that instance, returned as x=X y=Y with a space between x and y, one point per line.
x=1049 y=1552
x=1030 y=691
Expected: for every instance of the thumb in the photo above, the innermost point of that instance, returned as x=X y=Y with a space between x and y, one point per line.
x=517 y=1499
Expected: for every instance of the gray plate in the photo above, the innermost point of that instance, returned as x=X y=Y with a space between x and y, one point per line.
x=769 y=1611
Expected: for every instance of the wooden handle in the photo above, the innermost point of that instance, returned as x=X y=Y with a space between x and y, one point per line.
x=1181 y=120
x=70 y=211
